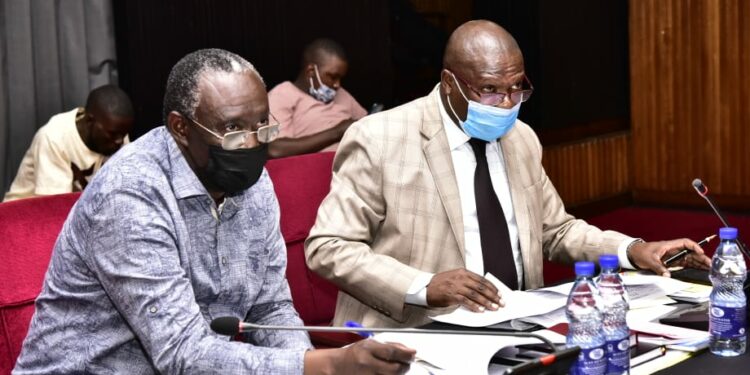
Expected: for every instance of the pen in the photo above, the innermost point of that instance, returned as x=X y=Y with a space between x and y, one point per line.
x=352 y=324
x=684 y=252
x=367 y=334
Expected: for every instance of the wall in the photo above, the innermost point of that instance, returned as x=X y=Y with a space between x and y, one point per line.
x=690 y=100
x=590 y=170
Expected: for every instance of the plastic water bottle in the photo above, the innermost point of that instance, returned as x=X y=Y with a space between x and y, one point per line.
x=585 y=323
x=614 y=309
x=728 y=304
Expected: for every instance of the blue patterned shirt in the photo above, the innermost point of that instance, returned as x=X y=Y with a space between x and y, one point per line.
x=146 y=260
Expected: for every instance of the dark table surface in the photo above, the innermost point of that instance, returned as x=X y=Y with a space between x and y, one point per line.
x=707 y=363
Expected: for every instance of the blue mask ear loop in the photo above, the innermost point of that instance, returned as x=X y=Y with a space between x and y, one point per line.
x=460 y=123
x=315 y=66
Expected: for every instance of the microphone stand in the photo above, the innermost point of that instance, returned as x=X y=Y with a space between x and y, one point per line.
x=702 y=190
x=231 y=326
x=245 y=326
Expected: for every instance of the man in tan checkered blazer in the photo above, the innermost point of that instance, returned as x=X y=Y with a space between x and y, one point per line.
x=397 y=233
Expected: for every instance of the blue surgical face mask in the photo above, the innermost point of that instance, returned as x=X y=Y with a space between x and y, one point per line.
x=323 y=93
x=485 y=122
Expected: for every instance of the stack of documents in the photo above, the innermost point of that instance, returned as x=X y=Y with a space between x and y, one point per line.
x=518 y=304
x=649 y=297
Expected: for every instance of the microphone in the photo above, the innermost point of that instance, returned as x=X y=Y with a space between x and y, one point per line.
x=230 y=326
x=702 y=190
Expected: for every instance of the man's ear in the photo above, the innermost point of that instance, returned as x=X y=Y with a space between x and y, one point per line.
x=446 y=81
x=178 y=126
x=310 y=70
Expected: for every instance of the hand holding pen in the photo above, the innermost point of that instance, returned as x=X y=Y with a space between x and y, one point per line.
x=674 y=258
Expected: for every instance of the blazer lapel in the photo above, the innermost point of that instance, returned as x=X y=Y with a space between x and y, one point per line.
x=438 y=156
x=513 y=167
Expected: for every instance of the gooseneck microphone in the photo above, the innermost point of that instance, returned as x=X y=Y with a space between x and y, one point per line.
x=702 y=190
x=230 y=326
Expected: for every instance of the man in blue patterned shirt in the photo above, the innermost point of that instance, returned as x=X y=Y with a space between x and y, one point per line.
x=178 y=228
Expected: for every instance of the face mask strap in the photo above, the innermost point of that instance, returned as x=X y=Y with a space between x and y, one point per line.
x=317 y=74
x=452 y=110
x=459 y=87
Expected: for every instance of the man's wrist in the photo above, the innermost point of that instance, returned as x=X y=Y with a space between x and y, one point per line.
x=628 y=252
x=320 y=362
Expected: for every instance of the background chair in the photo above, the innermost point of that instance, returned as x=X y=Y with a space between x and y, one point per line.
x=28 y=231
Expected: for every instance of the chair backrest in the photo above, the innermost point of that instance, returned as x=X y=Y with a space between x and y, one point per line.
x=28 y=231
x=301 y=183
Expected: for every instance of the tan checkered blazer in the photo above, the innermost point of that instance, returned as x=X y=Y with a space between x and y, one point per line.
x=394 y=211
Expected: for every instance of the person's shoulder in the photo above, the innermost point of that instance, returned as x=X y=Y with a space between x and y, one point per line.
x=344 y=94
x=285 y=94
x=141 y=165
x=286 y=88
x=525 y=129
x=401 y=122
x=59 y=126
x=522 y=132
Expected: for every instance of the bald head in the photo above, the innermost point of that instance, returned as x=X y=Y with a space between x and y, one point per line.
x=477 y=44
x=480 y=58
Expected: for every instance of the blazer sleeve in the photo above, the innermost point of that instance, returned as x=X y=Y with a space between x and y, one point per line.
x=349 y=220
x=564 y=238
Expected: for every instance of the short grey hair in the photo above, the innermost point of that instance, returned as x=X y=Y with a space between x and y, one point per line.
x=181 y=94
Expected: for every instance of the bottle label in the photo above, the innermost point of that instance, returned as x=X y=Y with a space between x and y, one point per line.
x=592 y=361
x=618 y=356
x=727 y=322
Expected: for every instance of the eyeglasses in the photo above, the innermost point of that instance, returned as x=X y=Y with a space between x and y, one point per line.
x=238 y=139
x=495 y=98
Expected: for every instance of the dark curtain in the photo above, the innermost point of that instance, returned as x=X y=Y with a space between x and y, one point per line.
x=52 y=53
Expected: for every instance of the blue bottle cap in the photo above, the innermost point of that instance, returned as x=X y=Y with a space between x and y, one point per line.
x=584 y=268
x=728 y=233
x=609 y=261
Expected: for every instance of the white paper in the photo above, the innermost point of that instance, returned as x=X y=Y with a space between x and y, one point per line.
x=648 y=314
x=672 y=332
x=549 y=319
x=458 y=354
x=650 y=302
x=517 y=304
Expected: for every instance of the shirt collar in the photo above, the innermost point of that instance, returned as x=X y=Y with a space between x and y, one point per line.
x=456 y=137
x=186 y=184
x=184 y=181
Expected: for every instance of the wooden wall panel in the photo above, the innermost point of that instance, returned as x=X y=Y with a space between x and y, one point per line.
x=690 y=99
x=590 y=170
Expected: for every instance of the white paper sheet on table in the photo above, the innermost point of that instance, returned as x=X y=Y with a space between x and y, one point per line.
x=517 y=304
x=638 y=285
x=635 y=315
x=459 y=354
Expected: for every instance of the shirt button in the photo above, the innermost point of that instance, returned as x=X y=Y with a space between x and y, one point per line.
x=153 y=309
x=224 y=261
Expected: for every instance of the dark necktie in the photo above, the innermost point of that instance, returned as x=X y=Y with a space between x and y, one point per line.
x=497 y=253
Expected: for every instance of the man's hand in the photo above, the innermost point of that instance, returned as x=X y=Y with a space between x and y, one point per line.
x=362 y=357
x=651 y=255
x=465 y=288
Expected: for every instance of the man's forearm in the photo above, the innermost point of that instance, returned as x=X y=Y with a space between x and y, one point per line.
x=284 y=147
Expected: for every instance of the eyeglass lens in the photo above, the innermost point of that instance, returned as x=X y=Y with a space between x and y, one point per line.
x=234 y=140
x=267 y=134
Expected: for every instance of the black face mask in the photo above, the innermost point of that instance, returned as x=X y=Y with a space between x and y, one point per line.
x=233 y=171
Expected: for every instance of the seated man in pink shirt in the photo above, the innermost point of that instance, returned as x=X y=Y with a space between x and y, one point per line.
x=314 y=110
